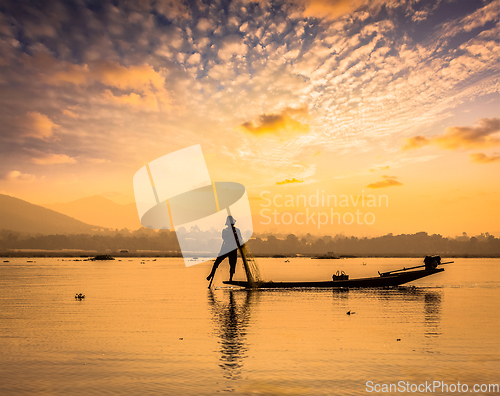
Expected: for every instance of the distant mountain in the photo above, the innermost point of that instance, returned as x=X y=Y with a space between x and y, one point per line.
x=21 y=216
x=100 y=211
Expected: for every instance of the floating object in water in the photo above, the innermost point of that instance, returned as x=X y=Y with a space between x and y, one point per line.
x=350 y=313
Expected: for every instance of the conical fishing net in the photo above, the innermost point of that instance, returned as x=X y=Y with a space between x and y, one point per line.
x=251 y=268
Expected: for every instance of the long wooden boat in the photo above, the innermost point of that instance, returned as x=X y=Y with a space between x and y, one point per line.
x=386 y=279
x=378 y=281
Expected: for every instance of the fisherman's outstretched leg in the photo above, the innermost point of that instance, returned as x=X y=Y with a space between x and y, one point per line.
x=215 y=266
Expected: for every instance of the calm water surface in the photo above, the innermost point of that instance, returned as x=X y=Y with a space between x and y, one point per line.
x=155 y=328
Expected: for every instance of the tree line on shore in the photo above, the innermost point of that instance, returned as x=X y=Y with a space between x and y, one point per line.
x=419 y=244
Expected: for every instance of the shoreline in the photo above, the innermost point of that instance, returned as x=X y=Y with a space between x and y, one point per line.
x=39 y=253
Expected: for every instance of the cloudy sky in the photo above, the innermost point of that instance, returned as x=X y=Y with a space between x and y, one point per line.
x=391 y=97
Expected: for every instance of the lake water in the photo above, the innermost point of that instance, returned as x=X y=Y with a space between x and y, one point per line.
x=155 y=328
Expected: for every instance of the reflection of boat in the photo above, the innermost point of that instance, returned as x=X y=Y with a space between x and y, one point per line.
x=385 y=279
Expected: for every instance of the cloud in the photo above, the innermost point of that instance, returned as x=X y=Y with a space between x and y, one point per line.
x=52 y=159
x=55 y=71
x=147 y=84
x=148 y=101
x=481 y=158
x=479 y=135
x=288 y=181
x=70 y=113
x=367 y=77
x=38 y=125
x=388 y=181
x=476 y=19
x=143 y=79
x=331 y=9
x=221 y=72
x=16 y=175
x=482 y=134
x=172 y=9
x=233 y=46
x=204 y=25
x=419 y=15
x=133 y=77
x=73 y=74
x=98 y=160
x=378 y=168
x=194 y=59
x=416 y=142
x=279 y=123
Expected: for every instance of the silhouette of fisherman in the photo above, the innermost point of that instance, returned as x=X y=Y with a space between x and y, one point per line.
x=228 y=242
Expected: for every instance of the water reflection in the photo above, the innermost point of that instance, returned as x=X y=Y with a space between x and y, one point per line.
x=340 y=294
x=231 y=311
x=431 y=306
x=410 y=302
x=432 y=309
x=414 y=309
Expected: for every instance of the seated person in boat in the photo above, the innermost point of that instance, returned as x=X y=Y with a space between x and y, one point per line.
x=228 y=239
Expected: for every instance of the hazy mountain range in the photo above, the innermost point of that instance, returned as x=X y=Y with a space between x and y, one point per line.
x=21 y=216
x=81 y=216
x=88 y=214
x=100 y=211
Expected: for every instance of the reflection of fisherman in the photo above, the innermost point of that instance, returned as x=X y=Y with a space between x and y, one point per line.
x=232 y=316
x=228 y=243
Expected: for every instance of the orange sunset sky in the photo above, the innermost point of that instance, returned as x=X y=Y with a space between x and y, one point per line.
x=357 y=97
